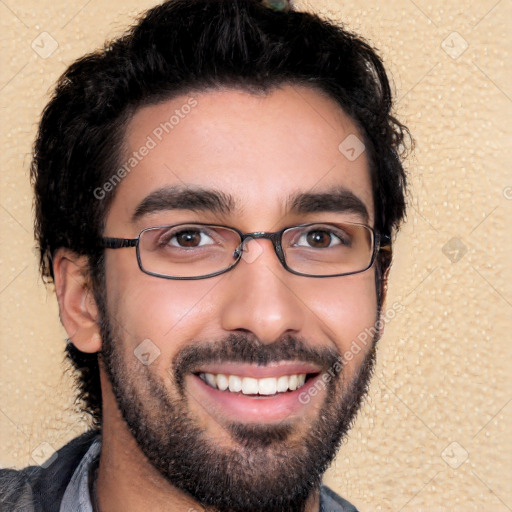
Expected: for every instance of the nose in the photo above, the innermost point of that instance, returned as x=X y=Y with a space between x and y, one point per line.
x=261 y=296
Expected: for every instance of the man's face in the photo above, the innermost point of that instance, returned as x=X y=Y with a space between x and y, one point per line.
x=257 y=321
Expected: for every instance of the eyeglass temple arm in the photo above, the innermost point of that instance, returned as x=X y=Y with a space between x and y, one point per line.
x=118 y=243
x=385 y=243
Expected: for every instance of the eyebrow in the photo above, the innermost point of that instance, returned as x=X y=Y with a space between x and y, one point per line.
x=197 y=199
x=339 y=200
x=184 y=198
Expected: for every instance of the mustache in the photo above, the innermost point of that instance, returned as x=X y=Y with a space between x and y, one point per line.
x=245 y=348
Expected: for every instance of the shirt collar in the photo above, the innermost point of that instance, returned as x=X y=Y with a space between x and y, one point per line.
x=77 y=497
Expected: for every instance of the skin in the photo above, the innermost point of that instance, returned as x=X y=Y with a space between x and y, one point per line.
x=259 y=149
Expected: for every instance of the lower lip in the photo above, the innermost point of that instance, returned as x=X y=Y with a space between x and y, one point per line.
x=250 y=409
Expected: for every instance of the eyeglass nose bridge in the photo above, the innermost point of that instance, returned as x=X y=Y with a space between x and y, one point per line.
x=274 y=237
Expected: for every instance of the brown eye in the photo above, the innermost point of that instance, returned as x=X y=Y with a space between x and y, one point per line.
x=322 y=237
x=319 y=239
x=187 y=238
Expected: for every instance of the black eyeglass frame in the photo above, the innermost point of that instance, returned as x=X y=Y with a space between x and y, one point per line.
x=381 y=242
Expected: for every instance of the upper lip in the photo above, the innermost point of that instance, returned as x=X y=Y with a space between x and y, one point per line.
x=258 y=372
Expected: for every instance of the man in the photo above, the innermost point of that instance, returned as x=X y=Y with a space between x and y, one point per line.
x=215 y=197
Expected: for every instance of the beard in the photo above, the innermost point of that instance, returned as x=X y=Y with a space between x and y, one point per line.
x=267 y=468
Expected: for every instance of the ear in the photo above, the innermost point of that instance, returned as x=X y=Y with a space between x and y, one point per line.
x=78 y=309
x=384 y=266
x=384 y=284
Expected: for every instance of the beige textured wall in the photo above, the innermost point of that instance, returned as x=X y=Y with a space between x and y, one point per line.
x=435 y=431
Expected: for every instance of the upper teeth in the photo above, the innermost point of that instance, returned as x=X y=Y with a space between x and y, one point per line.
x=251 y=386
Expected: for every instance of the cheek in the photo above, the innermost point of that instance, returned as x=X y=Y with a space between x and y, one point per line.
x=163 y=311
x=346 y=310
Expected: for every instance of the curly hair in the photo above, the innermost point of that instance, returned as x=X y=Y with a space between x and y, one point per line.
x=191 y=46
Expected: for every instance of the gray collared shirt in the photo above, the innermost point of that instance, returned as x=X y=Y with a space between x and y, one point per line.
x=77 y=497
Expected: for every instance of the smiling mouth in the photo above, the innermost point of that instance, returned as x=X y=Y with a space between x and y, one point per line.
x=250 y=386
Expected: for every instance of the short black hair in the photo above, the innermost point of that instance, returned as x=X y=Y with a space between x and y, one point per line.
x=189 y=46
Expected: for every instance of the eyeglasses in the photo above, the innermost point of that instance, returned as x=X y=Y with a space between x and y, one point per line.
x=199 y=251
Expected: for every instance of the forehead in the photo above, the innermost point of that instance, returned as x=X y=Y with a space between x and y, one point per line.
x=259 y=150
